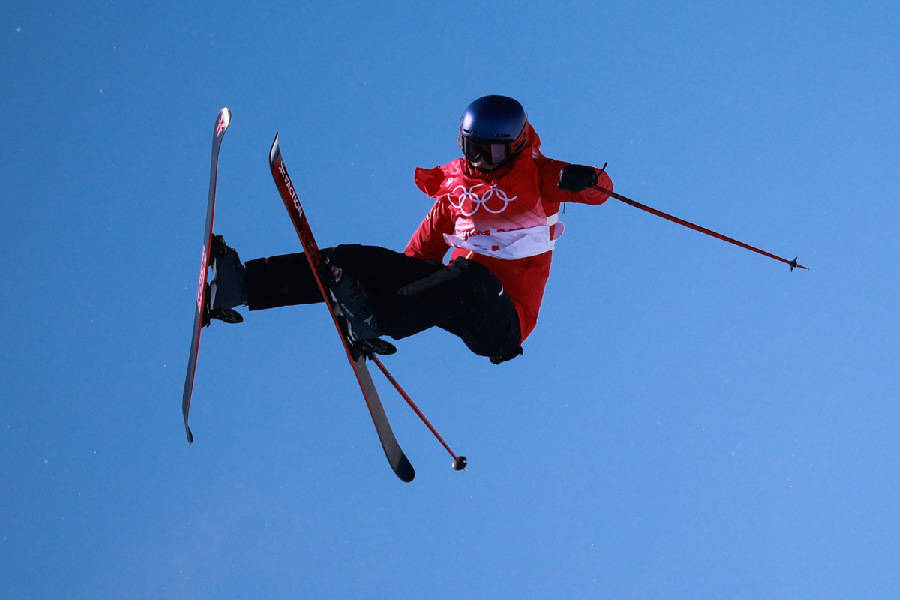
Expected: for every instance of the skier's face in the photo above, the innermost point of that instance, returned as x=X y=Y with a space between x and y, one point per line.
x=482 y=164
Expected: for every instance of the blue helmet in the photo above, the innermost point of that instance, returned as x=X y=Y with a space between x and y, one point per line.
x=492 y=131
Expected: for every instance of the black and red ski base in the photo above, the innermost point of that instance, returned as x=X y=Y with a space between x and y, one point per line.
x=397 y=459
x=200 y=317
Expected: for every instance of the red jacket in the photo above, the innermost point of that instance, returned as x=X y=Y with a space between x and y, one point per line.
x=507 y=220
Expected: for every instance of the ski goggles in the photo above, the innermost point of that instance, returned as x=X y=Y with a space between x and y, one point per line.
x=493 y=152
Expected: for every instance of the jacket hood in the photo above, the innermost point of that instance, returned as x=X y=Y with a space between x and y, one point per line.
x=534 y=140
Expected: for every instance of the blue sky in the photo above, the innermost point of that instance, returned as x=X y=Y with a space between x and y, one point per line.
x=689 y=420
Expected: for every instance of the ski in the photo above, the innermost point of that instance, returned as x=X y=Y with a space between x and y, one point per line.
x=200 y=317
x=397 y=459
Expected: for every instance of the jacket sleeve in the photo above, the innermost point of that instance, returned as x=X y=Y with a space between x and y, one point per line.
x=550 y=169
x=428 y=241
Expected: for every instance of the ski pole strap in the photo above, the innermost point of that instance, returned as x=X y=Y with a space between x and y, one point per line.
x=791 y=263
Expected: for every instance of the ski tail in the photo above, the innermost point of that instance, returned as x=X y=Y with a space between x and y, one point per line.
x=223 y=120
x=396 y=458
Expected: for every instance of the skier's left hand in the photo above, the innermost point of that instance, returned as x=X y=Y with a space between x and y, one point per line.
x=577 y=178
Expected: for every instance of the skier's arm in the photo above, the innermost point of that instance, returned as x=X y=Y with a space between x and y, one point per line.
x=565 y=182
x=428 y=241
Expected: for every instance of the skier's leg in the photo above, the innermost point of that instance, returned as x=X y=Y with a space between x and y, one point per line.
x=259 y=284
x=288 y=279
x=467 y=300
x=380 y=270
x=363 y=279
x=406 y=295
x=409 y=295
x=282 y=280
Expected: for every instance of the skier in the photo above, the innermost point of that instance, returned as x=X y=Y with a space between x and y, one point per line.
x=496 y=207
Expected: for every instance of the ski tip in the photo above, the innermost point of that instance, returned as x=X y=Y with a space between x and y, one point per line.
x=274 y=151
x=223 y=120
x=190 y=436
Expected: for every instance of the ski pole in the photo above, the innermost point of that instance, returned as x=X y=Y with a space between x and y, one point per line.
x=791 y=263
x=459 y=462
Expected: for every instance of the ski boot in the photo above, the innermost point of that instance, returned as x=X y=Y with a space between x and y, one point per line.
x=354 y=310
x=227 y=289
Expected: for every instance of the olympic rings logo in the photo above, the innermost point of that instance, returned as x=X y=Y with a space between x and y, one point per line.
x=494 y=200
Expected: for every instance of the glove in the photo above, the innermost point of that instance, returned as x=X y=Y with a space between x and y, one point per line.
x=575 y=178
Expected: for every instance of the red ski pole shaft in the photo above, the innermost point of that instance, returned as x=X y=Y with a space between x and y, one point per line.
x=792 y=263
x=459 y=462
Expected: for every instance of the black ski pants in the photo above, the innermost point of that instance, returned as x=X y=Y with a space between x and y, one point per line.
x=408 y=294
